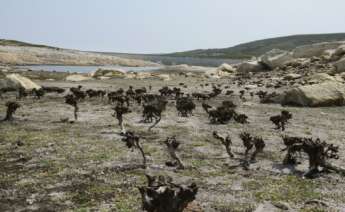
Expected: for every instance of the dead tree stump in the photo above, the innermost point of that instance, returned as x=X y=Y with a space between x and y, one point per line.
x=11 y=109
x=161 y=195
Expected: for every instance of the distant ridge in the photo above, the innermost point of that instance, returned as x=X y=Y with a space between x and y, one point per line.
x=4 y=42
x=257 y=48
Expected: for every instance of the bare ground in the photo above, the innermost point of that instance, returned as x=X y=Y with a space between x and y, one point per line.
x=75 y=167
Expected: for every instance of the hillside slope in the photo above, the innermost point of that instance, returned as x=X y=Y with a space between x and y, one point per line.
x=21 y=53
x=257 y=48
x=4 y=42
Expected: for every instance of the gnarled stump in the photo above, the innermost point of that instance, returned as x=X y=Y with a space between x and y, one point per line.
x=161 y=195
x=11 y=109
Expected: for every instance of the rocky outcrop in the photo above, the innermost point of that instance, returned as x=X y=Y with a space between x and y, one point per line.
x=315 y=50
x=335 y=54
x=23 y=82
x=340 y=65
x=251 y=66
x=226 y=68
x=323 y=77
x=8 y=84
x=111 y=73
x=19 y=55
x=329 y=93
x=276 y=58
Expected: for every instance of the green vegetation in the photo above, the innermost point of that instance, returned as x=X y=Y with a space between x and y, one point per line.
x=275 y=190
x=4 y=42
x=257 y=48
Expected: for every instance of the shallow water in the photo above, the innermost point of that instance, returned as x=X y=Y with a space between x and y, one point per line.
x=83 y=69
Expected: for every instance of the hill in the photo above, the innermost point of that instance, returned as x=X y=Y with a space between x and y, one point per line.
x=4 y=42
x=257 y=48
x=14 y=52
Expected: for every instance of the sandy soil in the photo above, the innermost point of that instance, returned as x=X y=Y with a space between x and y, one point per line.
x=63 y=166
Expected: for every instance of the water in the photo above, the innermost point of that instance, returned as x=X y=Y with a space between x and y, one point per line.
x=168 y=60
x=83 y=69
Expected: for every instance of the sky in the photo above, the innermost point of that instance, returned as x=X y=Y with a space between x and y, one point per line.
x=163 y=26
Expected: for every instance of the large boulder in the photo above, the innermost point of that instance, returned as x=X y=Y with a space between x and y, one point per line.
x=8 y=84
x=329 y=93
x=108 y=73
x=226 y=68
x=251 y=66
x=323 y=77
x=23 y=82
x=335 y=54
x=315 y=50
x=276 y=58
x=340 y=65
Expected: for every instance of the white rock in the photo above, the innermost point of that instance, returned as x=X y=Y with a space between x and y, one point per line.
x=292 y=76
x=329 y=93
x=226 y=68
x=23 y=81
x=77 y=78
x=276 y=58
x=323 y=77
x=250 y=66
x=340 y=65
x=318 y=49
x=108 y=73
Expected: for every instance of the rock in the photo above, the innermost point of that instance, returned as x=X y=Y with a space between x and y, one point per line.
x=138 y=75
x=323 y=77
x=329 y=93
x=77 y=78
x=249 y=87
x=108 y=73
x=292 y=76
x=267 y=207
x=318 y=49
x=216 y=73
x=23 y=82
x=342 y=75
x=335 y=54
x=164 y=77
x=7 y=83
x=339 y=65
x=251 y=66
x=226 y=68
x=276 y=58
x=273 y=98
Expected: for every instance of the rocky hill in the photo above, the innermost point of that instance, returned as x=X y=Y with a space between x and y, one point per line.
x=257 y=48
x=20 y=53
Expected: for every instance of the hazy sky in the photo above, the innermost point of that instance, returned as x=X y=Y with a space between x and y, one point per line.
x=157 y=26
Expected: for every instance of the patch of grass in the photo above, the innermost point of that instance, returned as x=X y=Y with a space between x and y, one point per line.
x=288 y=188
